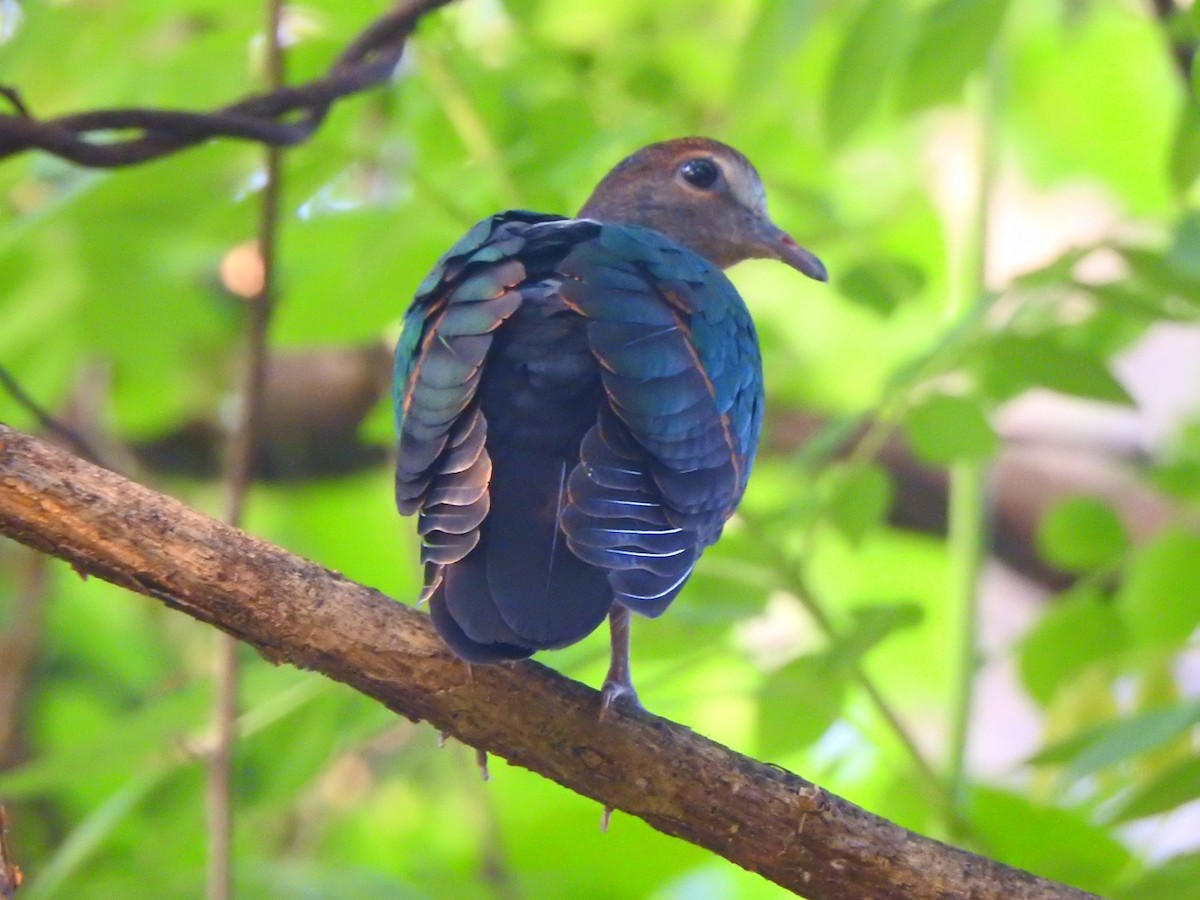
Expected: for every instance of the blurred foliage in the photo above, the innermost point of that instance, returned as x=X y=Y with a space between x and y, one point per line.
x=864 y=118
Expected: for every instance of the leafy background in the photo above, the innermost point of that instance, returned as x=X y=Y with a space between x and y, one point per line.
x=875 y=125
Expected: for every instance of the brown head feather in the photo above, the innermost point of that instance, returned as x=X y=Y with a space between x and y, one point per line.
x=703 y=194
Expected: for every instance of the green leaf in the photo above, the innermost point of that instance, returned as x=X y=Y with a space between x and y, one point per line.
x=1181 y=478
x=90 y=834
x=1176 y=879
x=1184 y=163
x=870 y=625
x=953 y=40
x=1160 y=594
x=862 y=66
x=1121 y=740
x=1173 y=273
x=1166 y=791
x=1163 y=285
x=1048 y=841
x=1077 y=630
x=883 y=284
x=1080 y=534
x=1184 y=255
x=948 y=427
x=1014 y=364
x=798 y=703
x=859 y=499
x=778 y=31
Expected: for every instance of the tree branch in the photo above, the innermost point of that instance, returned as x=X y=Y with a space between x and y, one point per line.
x=291 y=610
x=238 y=476
x=10 y=873
x=281 y=118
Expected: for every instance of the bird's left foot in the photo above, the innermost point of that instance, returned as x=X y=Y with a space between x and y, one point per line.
x=618 y=685
x=616 y=692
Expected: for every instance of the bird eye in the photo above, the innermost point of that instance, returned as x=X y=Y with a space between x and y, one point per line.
x=700 y=173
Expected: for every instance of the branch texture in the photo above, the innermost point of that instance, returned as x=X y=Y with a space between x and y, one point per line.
x=10 y=874
x=281 y=118
x=291 y=610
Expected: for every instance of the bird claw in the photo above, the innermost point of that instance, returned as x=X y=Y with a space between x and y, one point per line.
x=615 y=692
x=605 y=818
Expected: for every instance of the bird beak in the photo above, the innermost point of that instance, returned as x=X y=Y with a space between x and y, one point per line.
x=779 y=245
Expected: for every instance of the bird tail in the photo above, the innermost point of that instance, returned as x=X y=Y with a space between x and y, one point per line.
x=521 y=589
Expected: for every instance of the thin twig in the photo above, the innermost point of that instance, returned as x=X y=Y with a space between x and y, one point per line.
x=284 y=117
x=10 y=873
x=69 y=436
x=239 y=475
x=14 y=98
x=19 y=644
x=1183 y=49
x=795 y=581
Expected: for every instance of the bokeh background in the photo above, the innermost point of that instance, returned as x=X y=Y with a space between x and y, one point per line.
x=965 y=584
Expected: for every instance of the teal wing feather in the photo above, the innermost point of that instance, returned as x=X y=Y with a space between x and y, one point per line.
x=442 y=464
x=669 y=459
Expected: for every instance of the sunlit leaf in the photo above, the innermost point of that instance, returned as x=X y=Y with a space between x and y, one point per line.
x=860 y=71
x=953 y=40
x=882 y=285
x=1184 y=164
x=1081 y=533
x=1166 y=791
x=869 y=626
x=858 y=500
x=798 y=703
x=779 y=29
x=1013 y=364
x=948 y=427
x=1158 y=594
x=1074 y=632
x=1121 y=740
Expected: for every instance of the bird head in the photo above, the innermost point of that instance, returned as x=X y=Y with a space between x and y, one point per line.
x=702 y=194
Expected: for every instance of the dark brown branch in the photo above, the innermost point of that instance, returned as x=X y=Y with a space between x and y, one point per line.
x=19 y=644
x=291 y=610
x=238 y=477
x=281 y=118
x=10 y=873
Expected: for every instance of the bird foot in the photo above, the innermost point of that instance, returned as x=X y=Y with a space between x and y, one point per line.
x=617 y=692
x=481 y=760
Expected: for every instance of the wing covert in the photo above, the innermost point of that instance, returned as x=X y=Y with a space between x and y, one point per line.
x=680 y=366
x=442 y=466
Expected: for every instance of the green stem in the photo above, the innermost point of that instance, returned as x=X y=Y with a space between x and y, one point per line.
x=967 y=537
x=793 y=580
x=966 y=541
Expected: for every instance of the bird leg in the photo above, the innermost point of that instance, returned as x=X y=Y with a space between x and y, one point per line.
x=618 y=685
